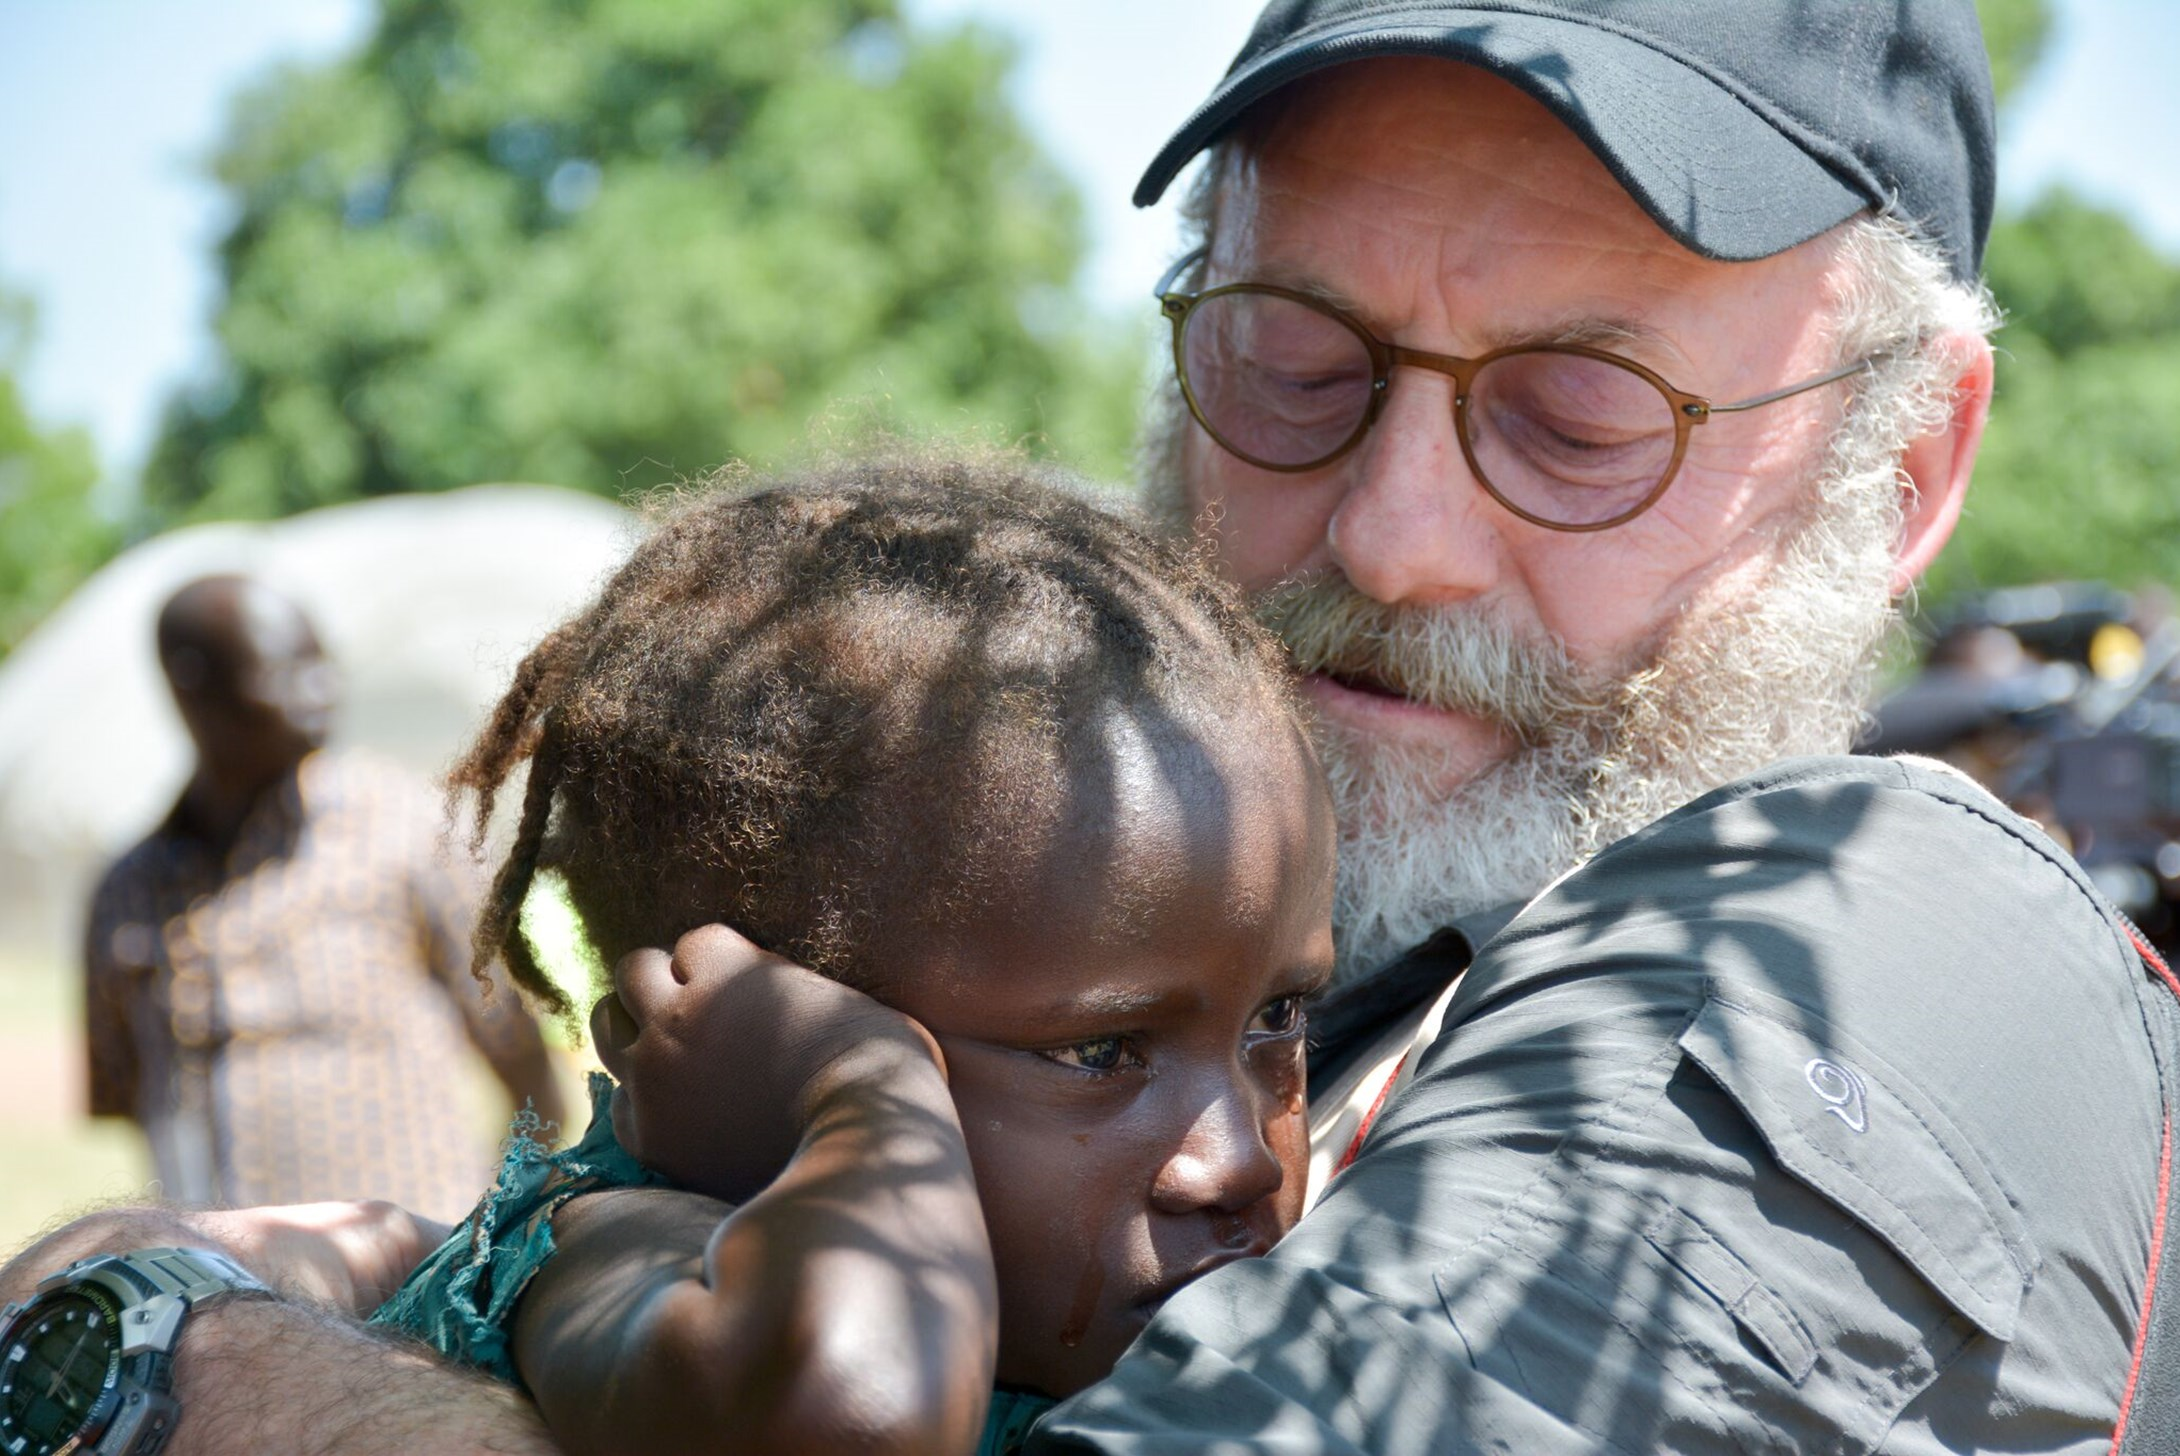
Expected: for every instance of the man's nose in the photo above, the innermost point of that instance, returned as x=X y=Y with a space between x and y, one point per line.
x=1414 y=524
x=1223 y=1163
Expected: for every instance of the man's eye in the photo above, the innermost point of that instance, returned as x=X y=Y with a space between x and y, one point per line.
x=1099 y=1054
x=1279 y=1018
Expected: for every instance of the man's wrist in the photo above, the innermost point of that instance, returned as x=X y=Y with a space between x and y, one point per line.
x=268 y=1375
x=108 y=1231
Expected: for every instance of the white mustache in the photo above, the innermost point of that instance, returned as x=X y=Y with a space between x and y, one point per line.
x=1463 y=657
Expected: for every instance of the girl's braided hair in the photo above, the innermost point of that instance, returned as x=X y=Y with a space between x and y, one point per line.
x=842 y=699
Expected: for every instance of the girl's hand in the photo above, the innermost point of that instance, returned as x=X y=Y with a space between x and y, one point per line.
x=848 y=1301
x=726 y=1055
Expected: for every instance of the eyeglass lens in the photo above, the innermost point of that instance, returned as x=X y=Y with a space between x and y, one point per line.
x=1565 y=437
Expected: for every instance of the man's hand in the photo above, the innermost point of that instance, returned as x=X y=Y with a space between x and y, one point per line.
x=289 y=1374
x=726 y=1054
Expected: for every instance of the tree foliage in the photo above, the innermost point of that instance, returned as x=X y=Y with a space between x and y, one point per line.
x=606 y=242
x=2080 y=470
x=50 y=536
x=2015 y=32
x=2076 y=276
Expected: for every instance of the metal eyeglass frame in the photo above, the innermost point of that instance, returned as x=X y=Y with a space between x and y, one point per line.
x=1689 y=410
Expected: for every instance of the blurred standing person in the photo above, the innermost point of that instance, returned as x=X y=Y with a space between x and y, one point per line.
x=276 y=978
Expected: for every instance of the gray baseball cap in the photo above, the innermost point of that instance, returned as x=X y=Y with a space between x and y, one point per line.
x=1742 y=126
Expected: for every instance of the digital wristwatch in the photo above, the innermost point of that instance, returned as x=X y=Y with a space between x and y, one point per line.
x=87 y=1361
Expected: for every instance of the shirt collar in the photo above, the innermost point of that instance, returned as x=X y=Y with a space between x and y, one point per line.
x=1345 y=1016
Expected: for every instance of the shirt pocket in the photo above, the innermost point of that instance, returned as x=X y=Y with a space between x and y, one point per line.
x=1665 y=1287
x=1859 y=1132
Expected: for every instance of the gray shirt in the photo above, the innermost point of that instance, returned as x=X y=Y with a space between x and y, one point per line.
x=1825 y=1114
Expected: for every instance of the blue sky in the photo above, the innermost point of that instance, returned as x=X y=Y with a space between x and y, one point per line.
x=107 y=108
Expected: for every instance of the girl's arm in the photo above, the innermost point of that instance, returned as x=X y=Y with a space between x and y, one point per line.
x=849 y=1305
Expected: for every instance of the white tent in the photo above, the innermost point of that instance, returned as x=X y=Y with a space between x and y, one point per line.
x=425 y=602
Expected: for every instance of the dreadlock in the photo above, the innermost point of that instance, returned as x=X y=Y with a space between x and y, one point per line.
x=840 y=700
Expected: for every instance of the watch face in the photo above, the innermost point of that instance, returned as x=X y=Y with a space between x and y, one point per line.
x=61 y=1361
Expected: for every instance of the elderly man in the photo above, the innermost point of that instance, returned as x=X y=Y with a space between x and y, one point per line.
x=1578 y=384
x=1579 y=391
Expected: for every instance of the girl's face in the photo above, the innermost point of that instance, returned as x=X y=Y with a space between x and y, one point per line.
x=1125 y=1040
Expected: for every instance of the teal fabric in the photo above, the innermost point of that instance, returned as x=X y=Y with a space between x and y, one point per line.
x=1007 y=1425
x=461 y=1299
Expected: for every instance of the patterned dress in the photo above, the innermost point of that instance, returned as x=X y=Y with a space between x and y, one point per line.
x=290 y=1021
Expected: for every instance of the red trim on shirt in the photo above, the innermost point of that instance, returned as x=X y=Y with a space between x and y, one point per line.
x=2149 y=1288
x=2156 y=963
x=1354 y=1144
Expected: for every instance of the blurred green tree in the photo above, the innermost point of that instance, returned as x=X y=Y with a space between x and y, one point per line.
x=51 y=536
x=2015 y=32
x=2080 y=470
x=607 y=242
x=604 y=243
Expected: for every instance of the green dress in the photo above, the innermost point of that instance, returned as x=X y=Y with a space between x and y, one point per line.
x=461 y=1299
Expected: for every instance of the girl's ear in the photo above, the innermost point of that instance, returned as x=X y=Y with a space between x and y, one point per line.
x=1935 y=468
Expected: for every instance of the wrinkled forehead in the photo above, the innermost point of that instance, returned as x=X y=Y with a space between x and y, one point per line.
x=1438 y=160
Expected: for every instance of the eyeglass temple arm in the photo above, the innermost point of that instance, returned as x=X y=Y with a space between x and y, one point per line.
x=1845 y=371
x=1181 y=265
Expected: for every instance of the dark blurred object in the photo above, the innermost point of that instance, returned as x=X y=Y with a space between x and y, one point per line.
x=2064 y=700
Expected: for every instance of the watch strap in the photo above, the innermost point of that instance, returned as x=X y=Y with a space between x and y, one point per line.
x=193 y=1276
x=158 y=1288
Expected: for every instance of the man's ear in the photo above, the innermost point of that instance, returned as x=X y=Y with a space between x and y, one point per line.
x=1935 y=468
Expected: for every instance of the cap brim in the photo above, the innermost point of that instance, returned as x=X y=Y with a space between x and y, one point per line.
x=1724 y=179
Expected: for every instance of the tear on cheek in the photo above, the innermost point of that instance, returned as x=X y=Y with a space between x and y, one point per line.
x=1283 y=1067
x=1089 y=1286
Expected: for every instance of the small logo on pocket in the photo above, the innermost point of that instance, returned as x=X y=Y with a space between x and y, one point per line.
x=1842 y=1089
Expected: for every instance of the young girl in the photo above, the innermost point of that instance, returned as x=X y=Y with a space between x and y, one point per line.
x=1027 y=791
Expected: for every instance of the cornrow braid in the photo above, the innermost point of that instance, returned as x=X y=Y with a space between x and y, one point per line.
x=844 y=700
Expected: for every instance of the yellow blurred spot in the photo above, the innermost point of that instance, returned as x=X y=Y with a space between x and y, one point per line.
x=563 y=947
x=2115 y=653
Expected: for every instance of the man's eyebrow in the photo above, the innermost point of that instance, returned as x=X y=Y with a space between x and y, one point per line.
x=1310 y=288
x=1589 y=333
x=1594 y=333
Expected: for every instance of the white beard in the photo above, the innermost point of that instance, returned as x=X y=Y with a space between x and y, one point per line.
x=1741 y=679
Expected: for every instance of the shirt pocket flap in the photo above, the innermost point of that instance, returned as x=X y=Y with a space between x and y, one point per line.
x=1851 y=1127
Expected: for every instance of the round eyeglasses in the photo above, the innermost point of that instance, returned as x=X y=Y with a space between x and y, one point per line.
x=1562 y=435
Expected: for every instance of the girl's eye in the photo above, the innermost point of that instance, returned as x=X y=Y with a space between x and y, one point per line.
x=1280 y=1018
x=1099 y=1054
